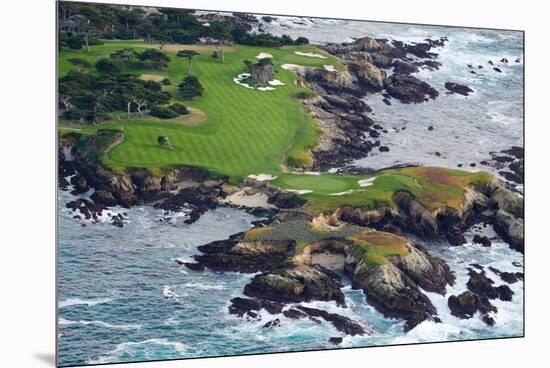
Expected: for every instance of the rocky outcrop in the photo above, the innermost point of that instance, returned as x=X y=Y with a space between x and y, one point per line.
x=409 y=89
x=491 y=201
x=481 y=285
x=246 y=256
x=174 y=190
x=298 y=284
x=401 y=67
x=465 y=305
x=458 y=88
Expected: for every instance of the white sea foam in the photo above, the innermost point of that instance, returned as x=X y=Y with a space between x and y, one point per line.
x=202 y=286
x=77 y=301
x=168 y=292
x=129 y=348
x=66 y=322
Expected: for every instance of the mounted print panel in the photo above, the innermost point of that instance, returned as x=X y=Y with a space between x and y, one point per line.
x=235 y=184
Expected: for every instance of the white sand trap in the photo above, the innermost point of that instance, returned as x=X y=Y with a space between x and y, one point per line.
x=239 y=80
x=262 y=177
x=310 y=54
x=343 y=193
x=293 y=67
x=244 y=198
x=316 y=173
x=264 y=55
x=366 y=182
x=275 y=82
x=331 y=261
x=299 y=191
x=330 y=68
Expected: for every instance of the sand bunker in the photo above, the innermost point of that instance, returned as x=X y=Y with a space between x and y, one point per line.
x=264 y=55
x=310 y=54
x=248 y=198
x=262 y=177
x=299 y=191
x=366 y=182
x=243 y=76
x=330 y=68
x=331 y=261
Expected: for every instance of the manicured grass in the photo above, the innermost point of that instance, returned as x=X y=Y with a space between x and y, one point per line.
x=247 y=131
x=433 y=187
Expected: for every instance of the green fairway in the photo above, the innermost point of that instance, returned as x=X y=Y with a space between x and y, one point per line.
x=433 y=187
x=246 y=131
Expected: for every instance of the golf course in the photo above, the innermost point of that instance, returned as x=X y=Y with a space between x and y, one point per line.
x=245 y=131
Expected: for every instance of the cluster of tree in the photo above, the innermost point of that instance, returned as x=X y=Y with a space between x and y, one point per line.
x=91 y=97
x=190 y=87
x=170 y=111
x=149 y=58
x=162 y=25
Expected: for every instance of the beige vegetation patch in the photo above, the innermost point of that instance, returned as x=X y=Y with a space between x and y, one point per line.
x=178 y=47
x=152 y=77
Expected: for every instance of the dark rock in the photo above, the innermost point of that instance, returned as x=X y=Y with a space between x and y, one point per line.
x=476 y=265
x=104 y=197
x=241 y=306
x=384 y=149
x=400 y=67
x=505 y=293
x=473 y=164
x=458 y=88
x=465 y=305
x=409 y=89
x=481 y=285
x=299 y=284
x=80 y=184
x=193 y=266
x=483 y=240
x=294 y=314
x=504 y=60
x=335 y=340
x=386 y=101
x=438 y=154
x=430 y=128
x=497 y=70
x=286 y=200
x=509 y=277
x=341 y=323
x=275 y=323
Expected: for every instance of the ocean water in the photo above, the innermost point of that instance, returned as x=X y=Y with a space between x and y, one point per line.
x=122 y=296
x=466 y=129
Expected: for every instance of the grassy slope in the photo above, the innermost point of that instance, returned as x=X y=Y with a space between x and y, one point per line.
x=247 y=131
x=434 y=187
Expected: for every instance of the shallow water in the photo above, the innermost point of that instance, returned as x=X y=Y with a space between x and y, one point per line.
x=122 y=296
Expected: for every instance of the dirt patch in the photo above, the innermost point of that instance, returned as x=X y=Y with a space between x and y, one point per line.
x=206 y=49
x=152 y=77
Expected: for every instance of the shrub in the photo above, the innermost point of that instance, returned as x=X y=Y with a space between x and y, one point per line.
x=163 y=112
x=105 y=65
x=304 y=95
x=75 y=43
x=301 y=41
x=181 y=109
x=190 y=87
x=166 y=82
